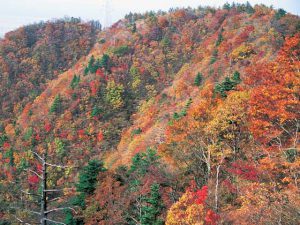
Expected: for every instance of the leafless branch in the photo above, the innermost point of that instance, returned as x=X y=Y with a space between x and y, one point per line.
x=58 y=209
x=54 y=165
x=57 y=190
x=37 y=155
x=28 y=193
x=39 y=176
x=21 y=221
x=53 y=190
x=27 y=210
x=53 y=221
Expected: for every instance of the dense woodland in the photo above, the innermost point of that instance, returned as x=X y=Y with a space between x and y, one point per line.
x=185 y=117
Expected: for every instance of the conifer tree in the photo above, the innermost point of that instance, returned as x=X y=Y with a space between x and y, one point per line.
x=105 y=62
x=56 y=105
x=75 y=81
x=91 y=62
x=88 y=177
x=153 y=208
x=198 y=79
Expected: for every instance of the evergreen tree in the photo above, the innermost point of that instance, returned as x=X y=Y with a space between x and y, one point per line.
x=214 y=56
x=198 y=79
x=86 y=71
x=280 y=13
x=70 y=220
x=56 y=105
x=249 y=8
x=141 y=161
x=3 y=138
x=236 y=77
x=133 y=28
x=91 y=63
x=105 y=62
x=153 y=207
x=95 y=66
x=226 y=6
x=88 y=177
x=220 y=38
x=75 y=81
x=228 y=84
x=96 y=111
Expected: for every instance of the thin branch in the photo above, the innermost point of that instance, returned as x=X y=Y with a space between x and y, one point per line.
x=37 y=155
x=58 y=209
x=53 y=190
x=28 y=193
x=54 y=199
x=53 y=221
x=27 y=210
x=56 y=190
x=137 y=222
x=216 y=188
x=39 y=176
x=54 y=165
x=21 y=221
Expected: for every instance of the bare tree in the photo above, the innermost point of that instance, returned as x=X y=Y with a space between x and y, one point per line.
x=43 y=196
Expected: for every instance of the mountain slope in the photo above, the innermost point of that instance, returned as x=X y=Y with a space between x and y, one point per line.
x=203 y=95
x=35 y=54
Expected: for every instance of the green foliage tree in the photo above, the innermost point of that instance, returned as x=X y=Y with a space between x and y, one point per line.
x=214 y=56
x=136 y=77
x=95 y=66
x=136 y=131
x=228 y=84
x=86 y=71
x=121 y=51
x=75 y=81
x=88 y=177
x=91 y=62
x=60 y=147
x=141 y=161
x=114 y=94
x=133 y=29
x=236 y=77
x=183 y=112
x=165 y=42
x=248 y=8
x=220 y=38
x=3 y=138
x=227 y=6
x=198 y=79
x=280 y=13
x=85 y=186
x=96 y=111
x=105 y=62
x=56 y=105
x=153 y=207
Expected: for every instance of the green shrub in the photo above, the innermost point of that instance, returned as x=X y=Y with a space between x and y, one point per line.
x=121 y=51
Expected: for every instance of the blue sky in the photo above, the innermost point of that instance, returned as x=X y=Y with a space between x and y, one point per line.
x=15 y=13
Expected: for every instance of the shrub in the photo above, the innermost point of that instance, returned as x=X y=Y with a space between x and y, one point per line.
x=121 y=51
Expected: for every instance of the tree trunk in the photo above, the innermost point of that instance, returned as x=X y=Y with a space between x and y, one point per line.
x=44 y=193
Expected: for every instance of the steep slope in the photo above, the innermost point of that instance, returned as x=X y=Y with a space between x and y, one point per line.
x=35 y=54
x=215 y=92
x=243 y=38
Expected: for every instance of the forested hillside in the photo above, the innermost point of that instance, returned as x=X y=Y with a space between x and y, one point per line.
x=35 y=54
x=186 y=117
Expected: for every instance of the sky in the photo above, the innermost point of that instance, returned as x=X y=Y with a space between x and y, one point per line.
x=15 y=13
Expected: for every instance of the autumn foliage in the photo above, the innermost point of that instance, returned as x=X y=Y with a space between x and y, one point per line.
x=185 y=117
